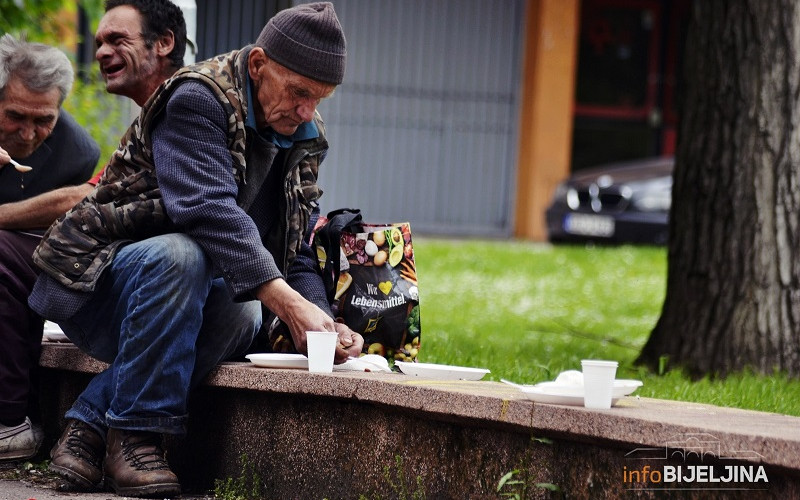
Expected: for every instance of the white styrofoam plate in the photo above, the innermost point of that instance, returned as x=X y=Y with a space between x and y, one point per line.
x=53 y=332
x=561 y=394
x=441 y=372
x=622 y=387
x=278 y=360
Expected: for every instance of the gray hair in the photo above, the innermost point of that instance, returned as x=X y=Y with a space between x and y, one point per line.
x=40 y=67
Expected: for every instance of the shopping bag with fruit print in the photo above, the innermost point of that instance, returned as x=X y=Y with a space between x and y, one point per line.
x=371 y=278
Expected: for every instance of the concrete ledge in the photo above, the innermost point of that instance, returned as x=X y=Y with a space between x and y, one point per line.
x=341 y=435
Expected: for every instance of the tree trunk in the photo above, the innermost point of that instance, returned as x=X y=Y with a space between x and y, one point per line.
x=733 y=284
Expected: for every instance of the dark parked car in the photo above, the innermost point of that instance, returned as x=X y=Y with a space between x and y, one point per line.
x=616 y=203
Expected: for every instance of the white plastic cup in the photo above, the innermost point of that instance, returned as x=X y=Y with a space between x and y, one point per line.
x=598 y=383
x=321 y=351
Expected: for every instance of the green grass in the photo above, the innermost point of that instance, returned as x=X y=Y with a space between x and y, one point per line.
x=103 y=115
x=528 y=311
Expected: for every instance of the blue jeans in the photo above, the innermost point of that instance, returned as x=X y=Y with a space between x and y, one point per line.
x=162 y=321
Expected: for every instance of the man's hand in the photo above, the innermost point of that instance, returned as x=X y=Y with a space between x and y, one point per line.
x=299 y=314
x=302 y=316
x=350 y=343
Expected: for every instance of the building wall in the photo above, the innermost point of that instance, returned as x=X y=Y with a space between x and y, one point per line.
x=424 y=128
x=224 y=25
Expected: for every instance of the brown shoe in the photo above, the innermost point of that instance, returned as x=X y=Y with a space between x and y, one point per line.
x=78 y=455
x=135 y=465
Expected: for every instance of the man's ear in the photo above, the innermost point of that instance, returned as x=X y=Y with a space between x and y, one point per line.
x=165 y=43
x=256 y=61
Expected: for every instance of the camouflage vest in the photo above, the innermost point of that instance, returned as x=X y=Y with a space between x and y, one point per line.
x=127 y=205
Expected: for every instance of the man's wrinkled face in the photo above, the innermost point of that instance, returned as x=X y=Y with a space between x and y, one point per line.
x=127 y=65
x=284 y=99
x=27 y=118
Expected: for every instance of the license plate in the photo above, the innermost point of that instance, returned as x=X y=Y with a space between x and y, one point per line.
x=589 y=225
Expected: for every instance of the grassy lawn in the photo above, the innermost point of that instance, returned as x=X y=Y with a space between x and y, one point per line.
x=528 y=311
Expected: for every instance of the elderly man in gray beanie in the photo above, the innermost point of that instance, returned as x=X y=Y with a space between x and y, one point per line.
x=198 y=227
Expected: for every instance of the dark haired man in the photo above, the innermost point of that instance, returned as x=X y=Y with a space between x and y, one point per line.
x=201 y=220
x=136 y=38
x=140 y=43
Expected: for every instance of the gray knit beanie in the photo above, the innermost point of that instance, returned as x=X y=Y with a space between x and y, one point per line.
x=308 y=40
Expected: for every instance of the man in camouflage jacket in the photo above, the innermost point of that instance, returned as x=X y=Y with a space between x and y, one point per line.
x=197 y=223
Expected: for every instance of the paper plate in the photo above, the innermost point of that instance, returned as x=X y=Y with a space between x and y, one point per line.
x=622 y=387
x=441 y=372
x=278 y=360
x=540 y=395
x=561 y=394
x=53 y=333
x=56 y=337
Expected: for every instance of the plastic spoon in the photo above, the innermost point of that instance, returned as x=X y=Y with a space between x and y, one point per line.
x=512 y=384
x=20 y=167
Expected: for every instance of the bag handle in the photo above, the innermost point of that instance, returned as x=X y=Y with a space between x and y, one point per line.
x=329 y=238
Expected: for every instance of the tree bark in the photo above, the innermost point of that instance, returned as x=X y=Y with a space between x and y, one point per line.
x=733 y=281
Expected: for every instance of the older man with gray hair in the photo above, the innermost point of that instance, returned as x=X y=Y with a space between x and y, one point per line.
x=199 y=226
x=56 y=152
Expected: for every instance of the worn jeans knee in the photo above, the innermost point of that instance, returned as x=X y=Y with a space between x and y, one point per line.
x=149 y=320
x=150 y=284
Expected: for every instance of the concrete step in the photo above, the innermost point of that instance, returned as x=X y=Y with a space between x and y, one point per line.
x=347 y=434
